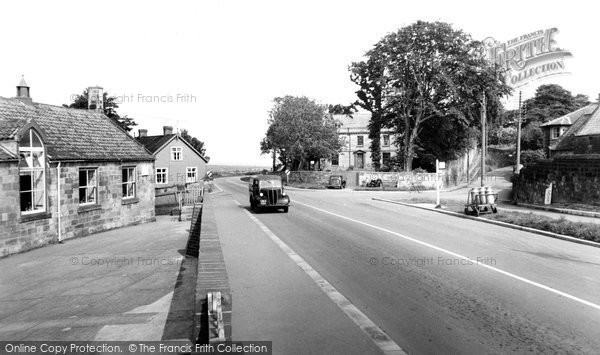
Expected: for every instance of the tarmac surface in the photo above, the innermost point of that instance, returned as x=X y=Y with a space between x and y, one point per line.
x=115 y=285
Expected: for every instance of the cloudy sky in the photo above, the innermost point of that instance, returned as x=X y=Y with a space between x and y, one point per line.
x=214 y=67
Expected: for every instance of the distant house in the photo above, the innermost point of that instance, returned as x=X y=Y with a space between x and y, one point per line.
x=177 y=162
x=575 y=133
x=356 y=151
x=67 y=173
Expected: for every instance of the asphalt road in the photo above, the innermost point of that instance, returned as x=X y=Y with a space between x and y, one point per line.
x=433 y=283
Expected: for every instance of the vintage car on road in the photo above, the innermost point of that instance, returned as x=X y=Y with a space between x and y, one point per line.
x=266 y=192
x=336 y=182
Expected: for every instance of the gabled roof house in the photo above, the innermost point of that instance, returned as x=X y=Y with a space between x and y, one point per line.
x=67 y=173
x=177 y=162
x=575 y=133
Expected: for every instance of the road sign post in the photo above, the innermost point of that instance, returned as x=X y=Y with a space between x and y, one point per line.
x=439 y=165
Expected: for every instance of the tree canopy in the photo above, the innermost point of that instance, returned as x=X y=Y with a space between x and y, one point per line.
x=300 y=130
x=551 y=101
x=424 y=72
x=195 y=142
x=110 y=109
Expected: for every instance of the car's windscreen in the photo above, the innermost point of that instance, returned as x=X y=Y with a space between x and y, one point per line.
x=269 y=184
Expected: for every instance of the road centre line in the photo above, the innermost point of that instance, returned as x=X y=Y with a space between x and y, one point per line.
x=376 y=334
x=506 y=273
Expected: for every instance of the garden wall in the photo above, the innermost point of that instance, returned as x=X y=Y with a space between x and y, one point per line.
x=575 y=179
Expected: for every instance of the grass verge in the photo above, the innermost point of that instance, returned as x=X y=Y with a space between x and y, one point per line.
x=580 y=230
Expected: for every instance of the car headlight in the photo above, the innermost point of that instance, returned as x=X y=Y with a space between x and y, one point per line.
x=260 y=194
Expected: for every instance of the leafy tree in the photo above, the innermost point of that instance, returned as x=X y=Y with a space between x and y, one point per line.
x=551 y=101
x=110 y=109
x=369 y=76
x=195 y=142
x=532 y=137
x=427 y=71
x=300 y=130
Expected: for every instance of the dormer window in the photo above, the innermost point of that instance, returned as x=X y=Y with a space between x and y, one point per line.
x=32 y=173
x=557 y=131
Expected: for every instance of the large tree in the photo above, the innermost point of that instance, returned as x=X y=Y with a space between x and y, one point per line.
x=300 y=130
x=427 y=71
x=551 y=101
x=195 y=142
x=110 y=109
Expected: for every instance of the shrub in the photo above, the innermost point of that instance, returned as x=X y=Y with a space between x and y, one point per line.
x=531 y=156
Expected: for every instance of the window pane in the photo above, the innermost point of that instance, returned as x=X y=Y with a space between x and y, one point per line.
x=36 y=142
x=38 y=196
x=38 y=159
x=25 y=181
x=25 y=140
x=26 y=160
x=91 y=197
x=131 y=190
x=38 y=181
x=82 y=194
x=26 y=198
x=131 y=173
x=91 y=178
x=124 y=190
x=82 y=178
x=124 y=175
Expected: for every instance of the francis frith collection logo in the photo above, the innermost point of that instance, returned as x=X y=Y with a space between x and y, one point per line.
x=527 y=57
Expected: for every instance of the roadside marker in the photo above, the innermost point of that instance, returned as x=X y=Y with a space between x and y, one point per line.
x=376 y=334
x=533 y=283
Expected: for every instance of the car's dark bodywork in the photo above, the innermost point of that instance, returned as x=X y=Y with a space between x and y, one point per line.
x=266 y=192
x=336 y=182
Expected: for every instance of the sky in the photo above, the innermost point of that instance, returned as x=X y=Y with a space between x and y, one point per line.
x=214 y=67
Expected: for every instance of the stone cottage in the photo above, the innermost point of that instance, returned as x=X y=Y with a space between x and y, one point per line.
x=66 y=173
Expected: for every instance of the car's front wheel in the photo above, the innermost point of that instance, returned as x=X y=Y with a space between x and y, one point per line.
x=285 y=209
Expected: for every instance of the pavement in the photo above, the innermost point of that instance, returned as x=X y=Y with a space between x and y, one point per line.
x=116 y=285
x=340 y=272
x=499 y=180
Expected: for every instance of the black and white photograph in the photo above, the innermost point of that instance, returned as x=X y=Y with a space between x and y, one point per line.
x=299 y=177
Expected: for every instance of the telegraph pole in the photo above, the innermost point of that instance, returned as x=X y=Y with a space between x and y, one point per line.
x=519 y=119
x=483 y=136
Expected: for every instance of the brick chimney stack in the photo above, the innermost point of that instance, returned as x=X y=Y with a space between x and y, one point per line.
x=143 y=132
x=167 y=130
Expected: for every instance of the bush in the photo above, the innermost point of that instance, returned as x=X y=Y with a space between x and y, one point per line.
x=531 y=156
x=503 y=136
x=532 y=137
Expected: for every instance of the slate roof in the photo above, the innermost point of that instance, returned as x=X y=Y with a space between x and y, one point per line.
x=5 y=155
x=71 y=134
x=358 y=120
x=154 y=143
x=571 y=117
x=592 y=127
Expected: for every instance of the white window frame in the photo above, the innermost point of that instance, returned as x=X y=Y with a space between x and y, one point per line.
x=164 y=173
x=194 y=170
x=125 y=195
x=358 y=141
x=386 y=140
x=27 y=153
x=176 y=153
x=94 y=186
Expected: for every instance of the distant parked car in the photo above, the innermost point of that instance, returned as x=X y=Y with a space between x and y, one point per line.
x=336 y=182
x=266 y=192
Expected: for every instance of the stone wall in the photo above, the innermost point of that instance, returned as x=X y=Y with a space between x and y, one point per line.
x=321 y=177
x=575 y=179
x=22 y=232
x=403 y=181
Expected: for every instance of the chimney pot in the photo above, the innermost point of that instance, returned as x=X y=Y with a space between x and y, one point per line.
x=143 y=132
x=167 y=130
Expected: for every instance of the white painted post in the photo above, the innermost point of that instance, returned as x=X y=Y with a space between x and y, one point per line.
x=437 y=183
